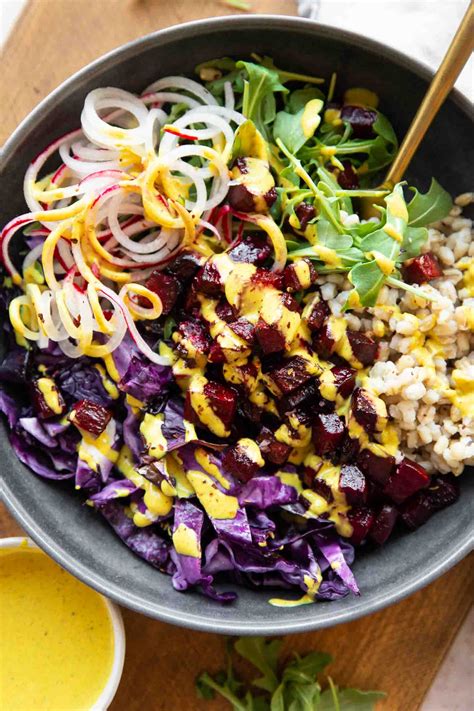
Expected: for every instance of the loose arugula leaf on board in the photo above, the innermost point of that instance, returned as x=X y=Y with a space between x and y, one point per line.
x=334 y=699
x=302 y=670
x=259 y=103
x=429 y=207
x=294 y=130
x=263 y=654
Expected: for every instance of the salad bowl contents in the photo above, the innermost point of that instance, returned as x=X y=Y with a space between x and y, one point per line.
x=245 y=378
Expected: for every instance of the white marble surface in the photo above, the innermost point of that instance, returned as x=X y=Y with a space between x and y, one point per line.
x=422 y=29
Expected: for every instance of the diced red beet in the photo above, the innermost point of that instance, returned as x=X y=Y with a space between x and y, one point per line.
x=348 y=450
x=353 y=485
x=323 y=342
x=221 y=399
x=304 y=396
x=348 y=178
x=318 y=315
x=377 y=468
x=360 y=119
x=421 y=269
x=291 y=374
x=384 y=524
x=443 y=491
x=290 y=303
x=408 y=478
x=225 y=312
x=305 y=212
x=195 y=332
x=249 y=410
x=238 y=463
x=364 y=410
x=208 y=280
x=254 y=183
x=185 y=266
x=361 y=520
x=244 y=329
x=192 y=305
x=216 y=354
x=363 y=347
x=416 y=510
x=252 y=248
x=272 y=450
x=321 y=488
x=328 y=433
x=40 y=404
x=270 y=197
x=90 y=416
x=269 y=337
x=167 y=288
x=344 y=380
x=268 y=278
x=290 y=275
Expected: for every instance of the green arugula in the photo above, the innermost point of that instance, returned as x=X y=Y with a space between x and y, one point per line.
x=290 y=687
x=429 y=207
x=288 y=127
x=259 y=102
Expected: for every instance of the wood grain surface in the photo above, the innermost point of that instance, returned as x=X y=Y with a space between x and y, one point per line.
x=397 y=650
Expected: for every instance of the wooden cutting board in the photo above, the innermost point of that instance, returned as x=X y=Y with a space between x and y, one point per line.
x=398 y=650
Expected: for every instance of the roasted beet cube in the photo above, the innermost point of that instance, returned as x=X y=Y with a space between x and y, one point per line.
x=290 y=303
x=348 y=450
x=185 y=266
x=317 y=315
x=360 y=119
x=244 y=329
x=344 y=380
x=361 y=520
x=47 y=399
x=167 y=288
x=299 y=275
x=305 y=212
x=267 y=278
x=249 y=411
x=254 y=186
x=225 y=312
x=221 y=399
x=237 y=462
x=208 y=280
x=272 y=450
x=216 y=354
x=328 y=433
x=321 y=488
x=364 y=410
x=408 y=478
x=304 y=396
x=90 y=416
x=269 y=337
x=363 y=347
x=384 y=524
x=348 y=178
x=377 y=468
x=252 y=248
x=193 y=337
x=323 y=342
x=443 y=491
x=416 y=510
x=353 y=485
x=291 y=374
x=421 y=269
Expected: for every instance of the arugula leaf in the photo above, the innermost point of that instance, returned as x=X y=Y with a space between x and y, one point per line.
x=429 y=207
x=382 y=127
x=263 y=654
x=367 y=279
x=259 y=103
x=299 y=98
x=349 y=700
x=289 y=127
x=413 y=240
x=285 y=76
x=302 y=670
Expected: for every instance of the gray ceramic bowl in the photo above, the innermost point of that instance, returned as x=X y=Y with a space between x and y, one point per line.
x=51 y=513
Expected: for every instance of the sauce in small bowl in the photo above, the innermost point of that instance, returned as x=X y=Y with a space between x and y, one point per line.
x=62 y=645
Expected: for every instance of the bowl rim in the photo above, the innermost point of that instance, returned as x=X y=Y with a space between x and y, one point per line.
x=113 y=680
x=364 y=605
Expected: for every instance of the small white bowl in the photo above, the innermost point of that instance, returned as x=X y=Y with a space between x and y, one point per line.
x=109 y=690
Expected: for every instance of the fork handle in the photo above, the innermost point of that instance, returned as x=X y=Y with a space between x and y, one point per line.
x=455 y=58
